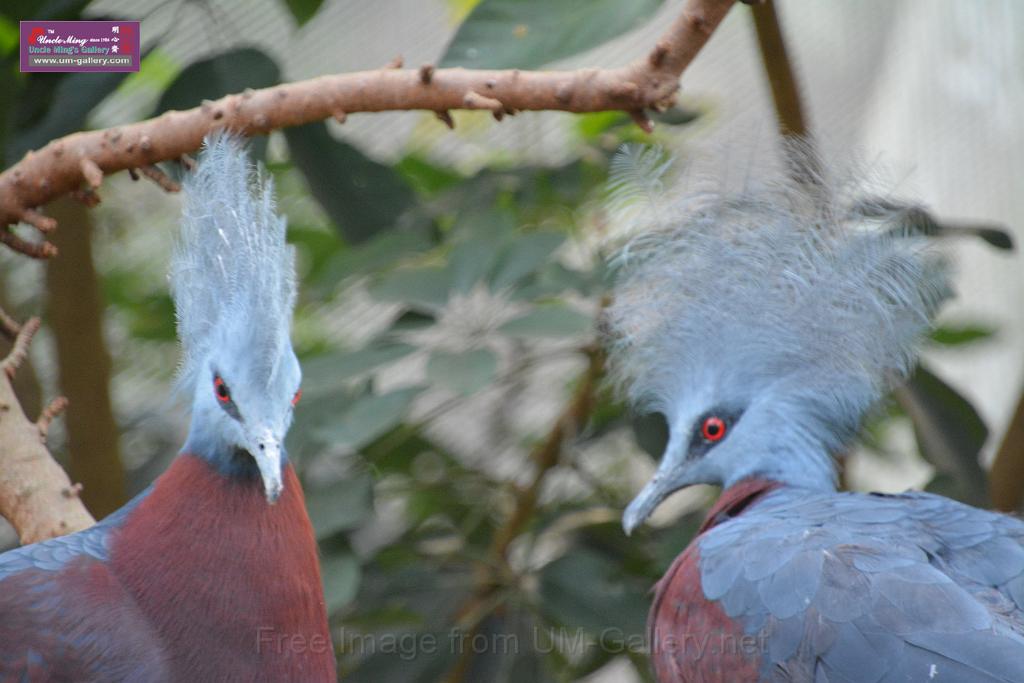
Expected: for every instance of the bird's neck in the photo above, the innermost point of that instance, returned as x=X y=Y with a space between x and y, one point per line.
x=790 y=452
x=735 y=499
x=247 y=569
x=205 y=441
x=803 y=468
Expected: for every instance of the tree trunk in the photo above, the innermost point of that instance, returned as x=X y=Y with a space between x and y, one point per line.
x=75 y=314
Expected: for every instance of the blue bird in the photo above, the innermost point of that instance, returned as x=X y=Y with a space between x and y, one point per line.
x=764 y=324
x=211 y=574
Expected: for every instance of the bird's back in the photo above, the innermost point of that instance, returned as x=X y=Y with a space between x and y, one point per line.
x=820 y=586
x=65 y=616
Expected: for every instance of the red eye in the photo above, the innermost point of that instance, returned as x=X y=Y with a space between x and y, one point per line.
x=297 y=397
x=713 y=429
x=221 y=389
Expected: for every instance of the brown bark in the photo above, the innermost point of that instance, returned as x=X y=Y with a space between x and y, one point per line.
x=779 y=70
x=789 y=108
x=1006 y=479
x=75 y=310
x=25 y=382
x=36 y=496
x=62 y=166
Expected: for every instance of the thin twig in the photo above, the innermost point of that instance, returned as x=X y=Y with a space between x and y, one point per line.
x=9 y=326
x=51 y=411
x=19 y=350
x=87 y=196
x=445 y=117
x=154 y=173
x=43 y=224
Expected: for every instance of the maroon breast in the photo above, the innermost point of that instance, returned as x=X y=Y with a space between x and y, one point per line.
x=693 y=639
x=231 y=583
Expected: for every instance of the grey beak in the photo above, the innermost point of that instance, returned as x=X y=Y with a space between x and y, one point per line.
x=643 y=505
x=267 y=453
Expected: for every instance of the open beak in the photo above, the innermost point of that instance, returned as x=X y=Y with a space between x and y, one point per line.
x=266 y=450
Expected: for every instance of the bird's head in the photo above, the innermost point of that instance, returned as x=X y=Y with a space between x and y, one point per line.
x=763 y=325
x=234 y=290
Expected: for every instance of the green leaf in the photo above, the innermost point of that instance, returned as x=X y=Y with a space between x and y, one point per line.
x=9 y=37
x=318 y=247
x=425 y=286
x=341 y=506
x=340 y=573
x=996 y=235
x=369 y=418
x=526 y=34
x=548 y=321
x=951 y=335
x=466 y=372
x=675 y=116
x=62 y=10
x=570 y=587
x=476 y=215
x=592 y=126
x=52 y=105
x=949 y=431
x=303 y=10
x=157 y=71
x=410 y=321
x=327 y=373
x=525 y=255
x=361 y=196
x=426 y=178
x=409 y=657
x=651 y=433
x=471 y=259
x=554 y=279
x=220 y=75
x=907 y=217
x=148 y=310
x=377 y=253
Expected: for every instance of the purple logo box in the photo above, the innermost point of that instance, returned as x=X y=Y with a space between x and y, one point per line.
x=80 y=46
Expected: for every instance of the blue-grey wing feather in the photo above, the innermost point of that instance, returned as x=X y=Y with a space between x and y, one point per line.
x=855 y=587
x=54 y=554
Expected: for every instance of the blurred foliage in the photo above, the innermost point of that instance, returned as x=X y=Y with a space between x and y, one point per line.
x=487 y=287
x=369 y=197
x=526 y=34
x=303 y=10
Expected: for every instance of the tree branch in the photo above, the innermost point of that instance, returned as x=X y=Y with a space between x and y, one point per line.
x=36 y=495
x=789 y=108
x=62 y=166
x=74 y=310
x=779 y=69
x=1006 y=478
